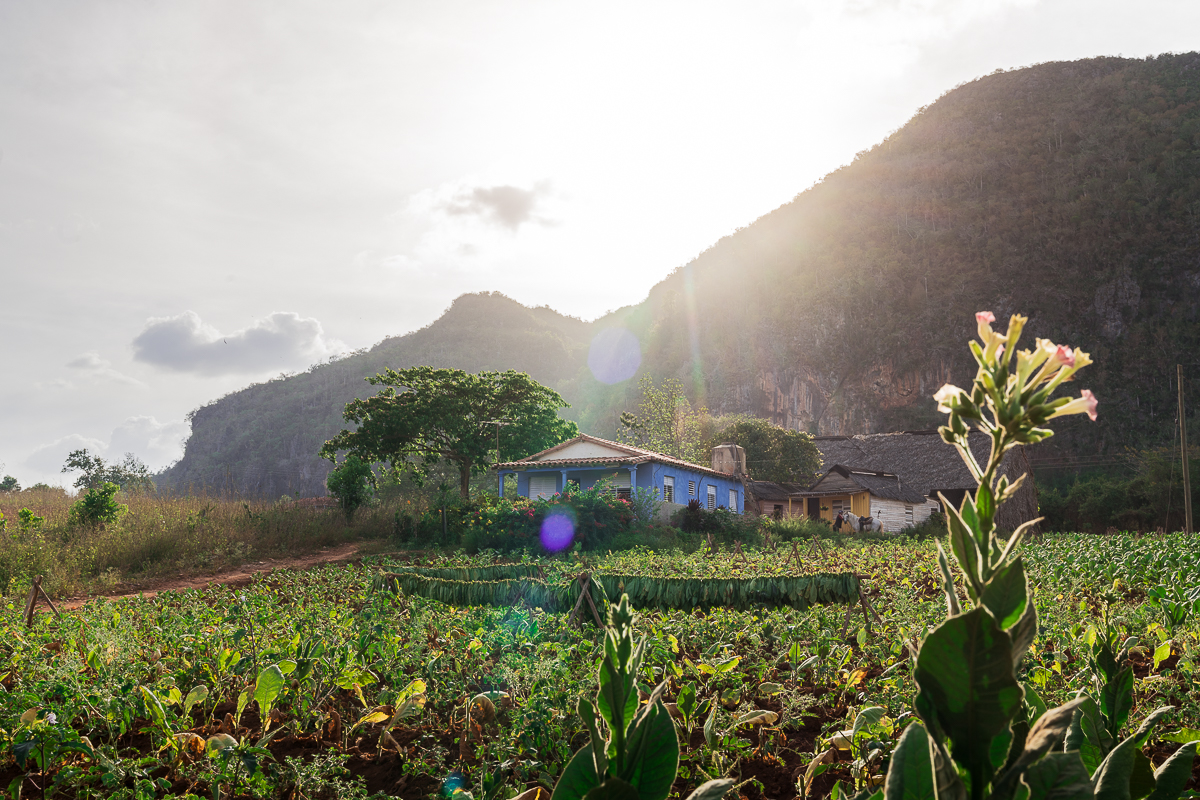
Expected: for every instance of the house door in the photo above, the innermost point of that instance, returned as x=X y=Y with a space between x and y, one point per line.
x=814 y=507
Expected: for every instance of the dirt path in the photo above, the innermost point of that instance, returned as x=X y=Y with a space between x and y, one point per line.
x=235 y=576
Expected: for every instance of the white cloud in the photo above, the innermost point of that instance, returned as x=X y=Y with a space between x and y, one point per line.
x=49 y=458
x=156 y=443
x=184 y=343
x=92 y=365
x=508 y=206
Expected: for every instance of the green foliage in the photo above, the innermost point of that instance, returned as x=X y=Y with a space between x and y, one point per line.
x=424 y=416
x=129 y=474
x=29 y=521
x=1149 y=499
x=9 y=484
x=725 y=525
x=98 y=506
x=665 y=422
x=353 y=483
x=596 y=514
x=772 y=453
x=988 y=737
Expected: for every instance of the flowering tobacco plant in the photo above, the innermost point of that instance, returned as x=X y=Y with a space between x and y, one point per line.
x=982 y=736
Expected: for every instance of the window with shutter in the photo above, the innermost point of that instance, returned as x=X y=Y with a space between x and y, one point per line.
x=733 y=500
x=691 y=488
x=668 y=489
x=542 y=485
x=712 y=497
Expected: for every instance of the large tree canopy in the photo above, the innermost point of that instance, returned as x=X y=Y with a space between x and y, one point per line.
x=426 y=415
x=772 y=453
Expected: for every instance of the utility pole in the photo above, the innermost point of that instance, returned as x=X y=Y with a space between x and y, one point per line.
x=1187 y=479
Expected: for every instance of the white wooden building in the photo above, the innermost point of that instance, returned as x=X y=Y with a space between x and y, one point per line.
x=881 y=495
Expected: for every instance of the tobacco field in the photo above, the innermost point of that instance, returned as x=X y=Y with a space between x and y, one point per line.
x=340 y=683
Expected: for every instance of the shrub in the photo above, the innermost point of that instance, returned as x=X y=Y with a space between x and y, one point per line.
x=353 y=484
x=98 y=507
x=726 y=526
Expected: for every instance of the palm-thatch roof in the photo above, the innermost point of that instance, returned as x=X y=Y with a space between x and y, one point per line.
x=774 y=492
x=840 y=479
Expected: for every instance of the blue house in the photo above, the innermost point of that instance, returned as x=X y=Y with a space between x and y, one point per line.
x=585 y=460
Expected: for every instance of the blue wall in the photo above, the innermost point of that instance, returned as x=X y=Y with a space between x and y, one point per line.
x=650 y=476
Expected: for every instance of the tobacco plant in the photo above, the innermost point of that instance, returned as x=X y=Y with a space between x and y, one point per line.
x=633 y=752
x=978 y=739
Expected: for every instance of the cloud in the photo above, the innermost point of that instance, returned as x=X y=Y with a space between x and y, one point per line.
x=156 y=443
x=49 y=458
x=92 y=365
x=509 y=206
x=184 y=343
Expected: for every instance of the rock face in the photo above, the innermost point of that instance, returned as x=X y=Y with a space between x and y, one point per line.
x=1067 y=192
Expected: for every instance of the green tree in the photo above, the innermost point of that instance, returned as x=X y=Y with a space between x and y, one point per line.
x=665 y=422
x=98 y=507
x=426 y=415
x=9 y=484
x=772 y=453
x=353 y=483
x=130 y=474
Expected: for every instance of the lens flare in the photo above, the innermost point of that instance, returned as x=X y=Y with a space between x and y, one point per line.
x=558 y=531
x=614 y=356
x=454 y=782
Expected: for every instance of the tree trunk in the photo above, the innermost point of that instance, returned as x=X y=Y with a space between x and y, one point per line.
x=464 y=479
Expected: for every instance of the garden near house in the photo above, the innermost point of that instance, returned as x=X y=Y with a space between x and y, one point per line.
x=539 y=649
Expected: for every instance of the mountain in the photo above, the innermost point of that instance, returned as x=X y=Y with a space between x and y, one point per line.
x=263 y=440
x=1066 y=191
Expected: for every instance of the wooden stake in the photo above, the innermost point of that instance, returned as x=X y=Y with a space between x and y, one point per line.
x=585 y=581
x=578 y=603
x=795 y=554
x=863 y=599
x=737 y=549
x=31 y=603
x=1183 y=443
x=846 y=621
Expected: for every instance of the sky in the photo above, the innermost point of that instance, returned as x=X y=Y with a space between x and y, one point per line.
x=196 y=196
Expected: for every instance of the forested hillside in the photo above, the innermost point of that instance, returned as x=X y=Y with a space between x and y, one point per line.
x=1066 y=191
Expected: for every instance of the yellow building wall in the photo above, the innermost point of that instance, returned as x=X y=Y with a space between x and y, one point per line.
x=860 y=505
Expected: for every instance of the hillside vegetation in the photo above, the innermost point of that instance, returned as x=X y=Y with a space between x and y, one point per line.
x=1069 y=191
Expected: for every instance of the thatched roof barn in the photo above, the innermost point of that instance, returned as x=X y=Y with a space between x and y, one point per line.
x=930 y=466
x=775 y=499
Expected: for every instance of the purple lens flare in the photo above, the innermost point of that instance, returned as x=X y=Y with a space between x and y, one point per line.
x=615 y=355
x=558 y=532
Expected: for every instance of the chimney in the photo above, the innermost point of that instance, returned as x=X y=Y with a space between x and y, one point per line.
x=730 y=459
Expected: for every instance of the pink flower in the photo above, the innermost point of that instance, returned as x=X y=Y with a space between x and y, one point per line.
x=983 y=317
x=1090 y=401
x=1066 y=356
x=1084 y=404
